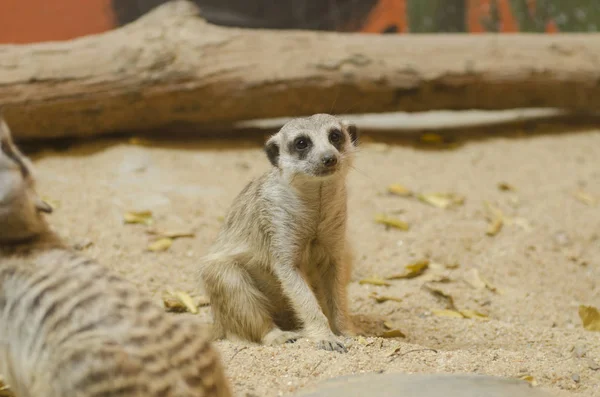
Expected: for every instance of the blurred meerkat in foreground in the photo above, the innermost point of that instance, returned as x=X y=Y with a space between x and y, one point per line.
x=280 y=265
x=70 y=328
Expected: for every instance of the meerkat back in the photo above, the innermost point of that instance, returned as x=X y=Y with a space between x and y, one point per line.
x=69 y=327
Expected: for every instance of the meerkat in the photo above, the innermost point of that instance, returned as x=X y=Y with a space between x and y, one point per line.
x=279 y=268
x=69 y=327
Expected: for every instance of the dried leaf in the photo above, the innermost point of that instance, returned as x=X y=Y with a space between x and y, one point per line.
x=431 y=138
x=585 y=198
x=179 y=301
x=393 y=333
x=478 y=282
x=590 y=318
x=162 y=244
x=442 y=296
x=530 y=379
x=172 y=234
x=505 y=187
x=473 y=314
x=452 y=266
x=412 y=270
x=391 y=222
x=399 y=190
x=361 y=340
x=387 y=325
x=143 y=217
x=374 y=281
x=384 y=298
x=447 y=313
x=496 y=219
x=441 y=200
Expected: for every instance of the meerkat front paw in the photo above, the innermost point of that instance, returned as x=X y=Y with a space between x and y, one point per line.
x=332 y=345
x=279 y=337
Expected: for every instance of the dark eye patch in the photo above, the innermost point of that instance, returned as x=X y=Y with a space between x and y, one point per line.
x=7 y=149
x=337 y=138
x=300 y=146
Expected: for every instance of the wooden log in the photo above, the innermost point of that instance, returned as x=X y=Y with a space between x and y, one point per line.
x=171 y=69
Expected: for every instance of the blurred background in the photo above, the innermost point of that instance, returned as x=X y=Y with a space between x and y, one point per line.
x=27 y=21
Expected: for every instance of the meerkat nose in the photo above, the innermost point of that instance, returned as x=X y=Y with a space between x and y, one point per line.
x=329 y=160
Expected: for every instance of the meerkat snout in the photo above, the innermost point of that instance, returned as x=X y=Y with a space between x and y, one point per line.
x=329 y=160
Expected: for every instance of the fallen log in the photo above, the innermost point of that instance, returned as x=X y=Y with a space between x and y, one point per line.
x=171 y=69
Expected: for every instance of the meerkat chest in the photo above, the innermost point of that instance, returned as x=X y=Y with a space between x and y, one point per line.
x=321 y=220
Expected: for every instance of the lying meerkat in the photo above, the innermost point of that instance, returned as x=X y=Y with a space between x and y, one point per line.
x=68 y=327
x=279 y=268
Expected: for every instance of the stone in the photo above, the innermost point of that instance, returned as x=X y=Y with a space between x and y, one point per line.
x=422 y=385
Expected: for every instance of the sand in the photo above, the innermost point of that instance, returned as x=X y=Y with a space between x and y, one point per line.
x=541 y=266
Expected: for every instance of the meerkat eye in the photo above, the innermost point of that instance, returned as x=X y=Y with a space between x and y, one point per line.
x=335 y=136
x=301 y=143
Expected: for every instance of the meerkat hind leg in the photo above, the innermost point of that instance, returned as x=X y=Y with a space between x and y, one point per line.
x=240 y=309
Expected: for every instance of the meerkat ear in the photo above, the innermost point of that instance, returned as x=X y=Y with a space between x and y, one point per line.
x=354 y=133
x=272 y=150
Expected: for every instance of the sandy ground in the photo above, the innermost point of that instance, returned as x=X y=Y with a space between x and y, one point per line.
x=544 y=264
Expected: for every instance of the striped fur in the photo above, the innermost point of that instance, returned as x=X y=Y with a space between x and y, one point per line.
x=71 y=328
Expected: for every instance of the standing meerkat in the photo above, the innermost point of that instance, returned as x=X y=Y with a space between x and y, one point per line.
x=279 y=268
x=69 y=327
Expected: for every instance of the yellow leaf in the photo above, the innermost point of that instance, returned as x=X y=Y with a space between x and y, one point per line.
x=441 y=200
x=474 y=280
x=179 y=301
x=172 y=234
x=473 y=314
x=399 y=190
x=496 y=219
x=412 y=270
x=393 y=333
x=530 y=379
x=447 y=313
x=384 y=298
x=392 y=222
x=143 y=217
x=590 y=318
x=161 y=244
x=506 y=187
x=585 y=198
x=478 y=282
x=374 y=281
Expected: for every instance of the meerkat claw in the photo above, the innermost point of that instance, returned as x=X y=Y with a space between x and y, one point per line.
x=330 y=345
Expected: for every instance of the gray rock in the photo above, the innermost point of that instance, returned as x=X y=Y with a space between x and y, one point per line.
x=422 y=385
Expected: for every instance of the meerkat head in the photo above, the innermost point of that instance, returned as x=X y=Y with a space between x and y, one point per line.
x=318 y=146
x=21 y=210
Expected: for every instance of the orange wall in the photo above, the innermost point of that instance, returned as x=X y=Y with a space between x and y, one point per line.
x=26 y=21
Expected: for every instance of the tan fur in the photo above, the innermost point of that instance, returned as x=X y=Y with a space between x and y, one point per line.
x=280 y=265
x=69 y=327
